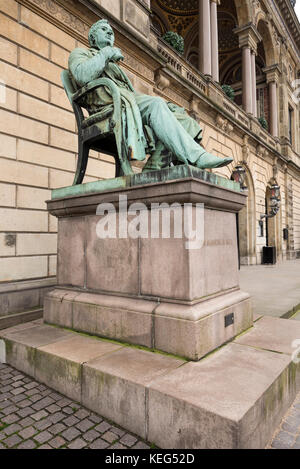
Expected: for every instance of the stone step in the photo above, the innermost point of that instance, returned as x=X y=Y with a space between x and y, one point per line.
x=13 y=319
x=233 y=398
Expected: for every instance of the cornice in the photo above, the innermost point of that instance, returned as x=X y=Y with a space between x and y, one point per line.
x=290 y=18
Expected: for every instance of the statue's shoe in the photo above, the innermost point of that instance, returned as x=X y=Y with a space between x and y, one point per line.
x=208 y=161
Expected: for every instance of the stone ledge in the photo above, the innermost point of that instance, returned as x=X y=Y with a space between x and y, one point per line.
x=234 y=398
x=190 y=331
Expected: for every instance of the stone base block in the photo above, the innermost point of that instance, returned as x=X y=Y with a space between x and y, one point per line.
x=190 y=331
x=234 y=398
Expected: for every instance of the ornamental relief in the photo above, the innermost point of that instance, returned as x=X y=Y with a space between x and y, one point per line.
x=179 y=7
x=62 y=15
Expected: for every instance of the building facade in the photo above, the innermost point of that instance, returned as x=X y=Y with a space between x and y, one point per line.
x=251 y=45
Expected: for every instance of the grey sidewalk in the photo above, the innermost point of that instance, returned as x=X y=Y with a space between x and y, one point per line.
x=275 y=290
x=33 y=416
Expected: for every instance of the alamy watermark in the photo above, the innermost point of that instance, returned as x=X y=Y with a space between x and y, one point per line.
x=159 y=220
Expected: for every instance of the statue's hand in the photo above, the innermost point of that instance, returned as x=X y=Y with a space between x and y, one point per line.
x=112 y=53
x=108 y=52
x=117 y=54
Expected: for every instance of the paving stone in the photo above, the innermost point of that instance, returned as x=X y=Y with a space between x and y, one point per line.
x=43 y=403
x=14 y=428
x=57 y=428
x=128 y=440
x=24 y=403
x=283 y=438
x=45 y=447
x=77 y=444
x=17 y=391
x=41 y=387
x=43 y=437
x=12 y=418
x=63 y=402
x=31 y=385
x=39 y=415
x=29 y=444
x=54 y=418
x=109 y=436
x=68 y=410
x=117 y=431
x=90 y=436
x=2 y=446
x=19 y=377
x=95 y=418
x=103 y=427
x=9 y=410
x=25 y=412
x=82 y=414
x=55 y=396
x=12 y=441
x=34 y=392
x=70 y=434
x=85 y=425
x=6 y=388
x=99 y=444
x=53 y=408
x=117 y=446
x=71 y=421
x=290 y=427
x=4 y=404
x=17 y=384
x=35 y=398
x=140 y=445
x=57 y=442
x=43 y=424
x=27 y=432
x=26 y=422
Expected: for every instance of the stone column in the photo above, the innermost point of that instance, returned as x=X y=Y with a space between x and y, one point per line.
x=204 y=37
x=272 y=74
x=247 y=80
x=273 y=109
x=214 y=40
x=253 y=76
x=249 y=37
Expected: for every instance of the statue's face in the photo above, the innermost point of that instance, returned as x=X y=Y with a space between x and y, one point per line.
x=104 y=36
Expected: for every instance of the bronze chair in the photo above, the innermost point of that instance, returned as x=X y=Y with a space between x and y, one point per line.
x=105 y=137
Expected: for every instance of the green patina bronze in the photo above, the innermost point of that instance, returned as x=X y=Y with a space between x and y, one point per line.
x=152 y=177
x=141 y=124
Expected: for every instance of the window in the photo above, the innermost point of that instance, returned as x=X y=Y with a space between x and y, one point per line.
x=291 y=118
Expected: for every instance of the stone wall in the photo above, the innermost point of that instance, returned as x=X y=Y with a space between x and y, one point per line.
x=38 y=141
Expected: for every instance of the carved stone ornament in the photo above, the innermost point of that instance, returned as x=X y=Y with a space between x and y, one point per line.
x=224 y=125
x=261 y=150
x=161 y=81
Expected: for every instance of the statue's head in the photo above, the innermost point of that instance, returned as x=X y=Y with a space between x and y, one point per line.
x=101 y=35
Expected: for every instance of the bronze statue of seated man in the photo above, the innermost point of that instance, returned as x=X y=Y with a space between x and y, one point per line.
x=170 y=128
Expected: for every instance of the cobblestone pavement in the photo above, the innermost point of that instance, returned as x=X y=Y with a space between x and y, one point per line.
x=34 y=416
x=287 y=436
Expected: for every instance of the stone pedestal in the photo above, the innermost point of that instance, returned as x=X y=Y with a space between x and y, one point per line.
x=151 y=291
